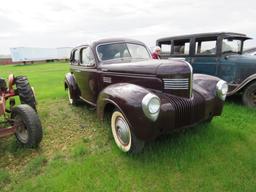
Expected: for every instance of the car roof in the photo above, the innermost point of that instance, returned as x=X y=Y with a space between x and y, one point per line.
x=115 y=40
x=197 y=35
x=109 y=40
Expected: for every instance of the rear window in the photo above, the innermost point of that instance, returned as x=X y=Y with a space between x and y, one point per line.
x=181 y=47
x=165 y=47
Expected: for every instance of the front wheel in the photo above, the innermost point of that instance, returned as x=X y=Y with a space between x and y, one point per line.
x=123 y=135
x=249 y=95
x=28 y=126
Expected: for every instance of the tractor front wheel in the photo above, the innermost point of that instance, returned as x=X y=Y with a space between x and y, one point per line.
x=28 y=126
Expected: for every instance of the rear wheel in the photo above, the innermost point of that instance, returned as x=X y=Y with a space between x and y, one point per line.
x=123 y=135
x=25 y=92
x=249 y=95
x=72 y=101
x=28 y=126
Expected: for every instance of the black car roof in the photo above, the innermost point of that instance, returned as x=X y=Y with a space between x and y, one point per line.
x=115 y=40
x=109 y=40
x=231 y=34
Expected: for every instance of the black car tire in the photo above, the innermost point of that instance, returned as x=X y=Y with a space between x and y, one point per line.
x=72 y=101
x=25 y=92
x=28 y=125
x=249 y=95
x=132 y=143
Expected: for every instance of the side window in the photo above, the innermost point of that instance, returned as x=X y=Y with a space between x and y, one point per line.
x=206 y=47
x=181 y=47
x=165 y=47
x=76 y=57
x=87 y=57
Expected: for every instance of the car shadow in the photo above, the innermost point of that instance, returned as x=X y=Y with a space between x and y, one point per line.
x=190 y=145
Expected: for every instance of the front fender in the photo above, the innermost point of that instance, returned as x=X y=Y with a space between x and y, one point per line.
x=127 y=98
x=70 y=82
x=239 y=87
x=205 y=85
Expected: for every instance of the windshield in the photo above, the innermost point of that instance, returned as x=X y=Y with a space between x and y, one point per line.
x=231 y=46
x=122 y=51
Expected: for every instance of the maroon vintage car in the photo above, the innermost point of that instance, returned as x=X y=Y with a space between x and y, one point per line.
x=147 y=97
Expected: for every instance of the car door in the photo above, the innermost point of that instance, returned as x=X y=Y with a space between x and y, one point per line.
x=205 y=60
x=86 y=75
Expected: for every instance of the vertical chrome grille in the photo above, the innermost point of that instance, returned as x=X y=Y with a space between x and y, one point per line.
x=176 y=84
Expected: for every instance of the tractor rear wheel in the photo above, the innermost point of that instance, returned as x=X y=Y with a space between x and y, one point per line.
x=25 y=91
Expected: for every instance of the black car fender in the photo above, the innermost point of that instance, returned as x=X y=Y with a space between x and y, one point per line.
x=71 y=84
x=127 y=98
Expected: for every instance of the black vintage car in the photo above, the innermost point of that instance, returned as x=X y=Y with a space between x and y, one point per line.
x=217 y=54
x=147 y=97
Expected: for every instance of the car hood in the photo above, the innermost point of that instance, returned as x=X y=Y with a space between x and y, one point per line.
x=150 y=67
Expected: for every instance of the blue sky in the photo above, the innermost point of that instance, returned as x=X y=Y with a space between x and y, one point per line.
x=53 y=23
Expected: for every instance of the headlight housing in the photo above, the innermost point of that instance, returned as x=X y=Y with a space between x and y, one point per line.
x=151 y=106
x=222 y=89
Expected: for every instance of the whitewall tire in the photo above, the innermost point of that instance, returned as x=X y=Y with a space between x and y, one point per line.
x=123 y=135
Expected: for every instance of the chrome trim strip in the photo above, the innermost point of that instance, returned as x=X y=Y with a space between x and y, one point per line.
x=177 y=84
x=191 y=79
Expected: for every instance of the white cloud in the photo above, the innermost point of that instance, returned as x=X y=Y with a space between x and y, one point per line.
x=53 y=23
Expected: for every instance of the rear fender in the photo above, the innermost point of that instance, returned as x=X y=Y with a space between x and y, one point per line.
x=70 y=83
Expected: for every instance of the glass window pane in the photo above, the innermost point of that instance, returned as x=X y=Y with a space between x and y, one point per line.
x=181 y=47
x=87 y=56
x=206 y=47
x=137 y=51
x=166 y=47
x=231 y=46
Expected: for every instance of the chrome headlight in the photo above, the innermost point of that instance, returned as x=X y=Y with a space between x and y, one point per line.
x=222 y=89
x=151 y=106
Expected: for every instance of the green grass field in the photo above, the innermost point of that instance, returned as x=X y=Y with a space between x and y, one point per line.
x=78 y=152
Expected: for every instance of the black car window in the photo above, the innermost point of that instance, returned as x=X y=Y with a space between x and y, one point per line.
x=181 y=47
x=76 y=57
x=87 y=57
x=121 y=51
x=206 y=47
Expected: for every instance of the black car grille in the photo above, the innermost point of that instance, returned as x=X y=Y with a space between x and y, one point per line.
x=188 y=111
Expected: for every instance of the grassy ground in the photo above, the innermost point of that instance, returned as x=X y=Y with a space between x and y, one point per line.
x=78 y=152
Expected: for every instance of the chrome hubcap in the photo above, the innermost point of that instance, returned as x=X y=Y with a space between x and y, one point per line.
x=21 y=131
x=122 y=130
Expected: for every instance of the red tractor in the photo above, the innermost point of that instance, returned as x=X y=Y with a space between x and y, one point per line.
x=21 y=120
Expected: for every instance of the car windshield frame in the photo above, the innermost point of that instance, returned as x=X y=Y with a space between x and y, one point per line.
x=231 y=51
x=122 y=58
